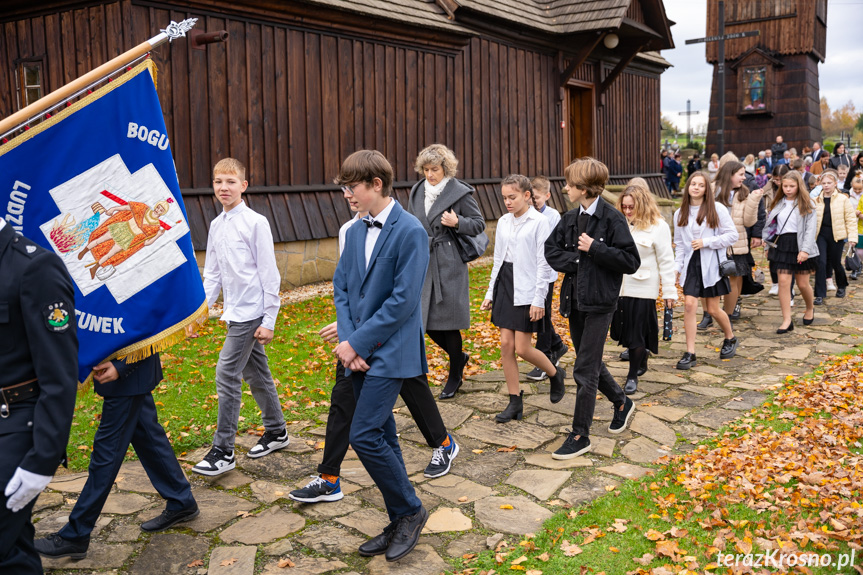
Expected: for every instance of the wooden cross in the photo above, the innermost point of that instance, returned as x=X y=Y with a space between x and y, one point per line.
x=688 y=113
x=720 y=40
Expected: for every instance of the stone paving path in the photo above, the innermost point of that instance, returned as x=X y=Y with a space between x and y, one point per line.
x=248 y=525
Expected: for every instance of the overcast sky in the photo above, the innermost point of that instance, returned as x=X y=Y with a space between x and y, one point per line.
x=690 y=78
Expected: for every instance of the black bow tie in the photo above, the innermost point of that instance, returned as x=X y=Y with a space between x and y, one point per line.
x=369 y=221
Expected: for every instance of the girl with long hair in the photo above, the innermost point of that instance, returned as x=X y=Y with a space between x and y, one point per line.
x=703 y=230
x=634 y=324
x=792 y=223
x=836 y=224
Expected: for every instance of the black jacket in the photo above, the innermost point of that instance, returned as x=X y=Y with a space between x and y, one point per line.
x=592 y=279
x=37 y=341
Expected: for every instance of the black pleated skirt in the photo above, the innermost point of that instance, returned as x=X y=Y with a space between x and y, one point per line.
x=634 y=323
x=742 y=262
x=694 y=284
x=784 y=257
x=505 y=314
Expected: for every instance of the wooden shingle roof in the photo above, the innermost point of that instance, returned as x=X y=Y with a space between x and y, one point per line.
x=554 y=16
x=551 y=16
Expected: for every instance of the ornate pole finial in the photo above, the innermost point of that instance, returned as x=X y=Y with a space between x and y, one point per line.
x=176 y=30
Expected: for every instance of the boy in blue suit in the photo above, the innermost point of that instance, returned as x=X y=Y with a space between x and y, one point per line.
x=128 y=417
x=377 y=296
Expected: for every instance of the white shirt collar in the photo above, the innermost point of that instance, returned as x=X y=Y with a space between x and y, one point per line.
x=2 y=223
x=384 y=213
x=236 y=210
x=591 y=210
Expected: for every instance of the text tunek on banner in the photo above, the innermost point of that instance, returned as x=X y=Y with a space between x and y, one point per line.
x=97 y=185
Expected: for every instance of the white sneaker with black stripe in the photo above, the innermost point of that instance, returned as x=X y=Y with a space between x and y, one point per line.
x=269 y=442
x=216 y=462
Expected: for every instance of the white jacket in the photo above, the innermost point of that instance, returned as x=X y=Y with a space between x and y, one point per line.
x=715 y=243
x=657 y=262
x=529 y=269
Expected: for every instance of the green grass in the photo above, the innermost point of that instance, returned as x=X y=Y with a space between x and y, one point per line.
x=301 y=363
x=661 y=503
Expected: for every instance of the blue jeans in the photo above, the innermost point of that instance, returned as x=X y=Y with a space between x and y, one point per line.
x=373 y=437
x=128 y=420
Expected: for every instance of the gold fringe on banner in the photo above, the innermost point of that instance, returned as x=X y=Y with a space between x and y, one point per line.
x=147 y=64
x=159 y=342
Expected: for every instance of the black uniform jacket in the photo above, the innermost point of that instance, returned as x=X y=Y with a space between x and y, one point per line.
x=592 y=279
x=134 y=378
x=38 y=340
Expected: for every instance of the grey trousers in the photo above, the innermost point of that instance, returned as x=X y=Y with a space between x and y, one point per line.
x=243 y=358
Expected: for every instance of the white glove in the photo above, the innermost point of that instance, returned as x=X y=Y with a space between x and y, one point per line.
x=24 y=487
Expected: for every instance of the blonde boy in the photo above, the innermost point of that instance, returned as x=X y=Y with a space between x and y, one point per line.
x=241 y=263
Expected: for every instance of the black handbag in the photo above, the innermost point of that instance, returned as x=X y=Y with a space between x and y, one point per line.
x=726 y=267
x=852 y=262
x=469 y=247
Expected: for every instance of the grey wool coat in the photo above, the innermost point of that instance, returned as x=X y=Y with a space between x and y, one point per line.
x=445 y=297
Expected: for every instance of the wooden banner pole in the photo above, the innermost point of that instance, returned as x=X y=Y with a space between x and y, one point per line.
x=22 y=116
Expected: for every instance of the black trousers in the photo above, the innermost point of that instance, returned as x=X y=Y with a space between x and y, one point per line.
x=17 y=554
x=829 y=260
x=417 y=397
x=588 y=331
x=548 y=340
x=127 y=420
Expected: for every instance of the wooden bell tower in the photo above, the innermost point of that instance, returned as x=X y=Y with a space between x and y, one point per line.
x=771 y=83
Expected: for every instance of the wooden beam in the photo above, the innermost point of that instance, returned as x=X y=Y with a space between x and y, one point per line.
x=624 y=62
x=449 y=6
x=580 y=57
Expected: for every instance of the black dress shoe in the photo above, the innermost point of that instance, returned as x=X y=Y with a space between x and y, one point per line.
x=406 y=535
x=729 y=348
x=378 y=544
x=631 y=386
x=705 y=322
x=819 y=301
x=790 y=327
x=54 y=547
x=688 y=360
x=840 y=292
x=451 y=393
x=170 y=518
x=624 y=355
x=809 y=321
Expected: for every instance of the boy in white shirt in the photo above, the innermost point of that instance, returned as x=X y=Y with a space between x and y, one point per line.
x=241 y=263
x=548 y=342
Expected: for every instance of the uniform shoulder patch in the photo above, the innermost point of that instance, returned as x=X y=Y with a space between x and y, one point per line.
x=56 y=317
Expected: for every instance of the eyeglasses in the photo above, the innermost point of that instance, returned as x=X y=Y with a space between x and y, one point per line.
x=348 y=190
x=627 y=208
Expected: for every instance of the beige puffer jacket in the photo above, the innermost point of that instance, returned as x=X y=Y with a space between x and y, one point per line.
x=744 y=214
x=843 y=216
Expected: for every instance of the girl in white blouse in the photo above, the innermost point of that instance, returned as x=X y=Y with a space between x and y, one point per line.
x=792 y=233
x=517 y=290
x=703 y=229
x=634 y=324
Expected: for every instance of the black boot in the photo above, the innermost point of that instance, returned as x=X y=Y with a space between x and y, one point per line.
x=513 y=410
x=706 y=321
x=736 y=313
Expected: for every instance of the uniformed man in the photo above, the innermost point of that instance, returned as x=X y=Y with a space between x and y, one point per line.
x=38 y=382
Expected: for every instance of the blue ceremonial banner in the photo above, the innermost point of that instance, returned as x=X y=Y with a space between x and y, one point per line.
x=96 y=184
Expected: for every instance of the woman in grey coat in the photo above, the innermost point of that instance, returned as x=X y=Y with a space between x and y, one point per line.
x=444 y=206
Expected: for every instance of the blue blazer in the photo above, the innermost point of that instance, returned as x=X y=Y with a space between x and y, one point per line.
x=135 y=378
x=378 y=309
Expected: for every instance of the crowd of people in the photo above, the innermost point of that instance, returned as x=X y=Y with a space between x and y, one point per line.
x=617 y=260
